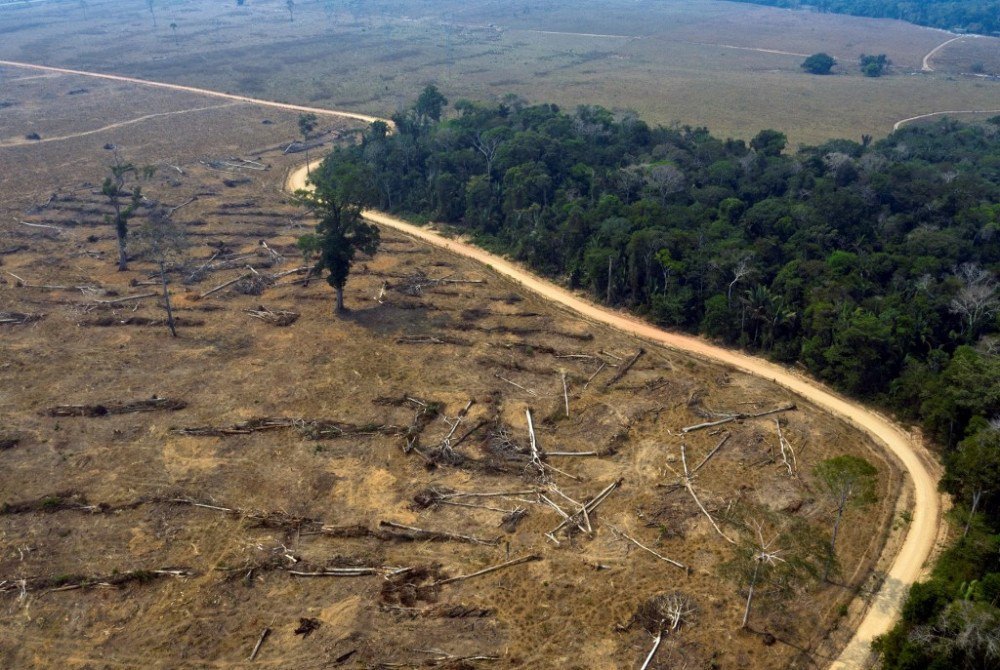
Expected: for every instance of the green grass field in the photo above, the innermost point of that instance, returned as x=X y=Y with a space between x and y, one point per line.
x=709 y=63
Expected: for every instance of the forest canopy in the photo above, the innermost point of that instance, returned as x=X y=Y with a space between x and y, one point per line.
x=974 y=16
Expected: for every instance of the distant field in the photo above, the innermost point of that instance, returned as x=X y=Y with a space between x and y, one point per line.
x=697 y=63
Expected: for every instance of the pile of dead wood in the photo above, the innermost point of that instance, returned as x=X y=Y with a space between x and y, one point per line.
x=313 y=429
x=19 y=318
x=280 y=318
x=74 y=582
x=149 y=405
x=414 y=284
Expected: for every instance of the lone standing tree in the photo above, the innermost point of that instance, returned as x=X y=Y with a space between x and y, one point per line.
x=775 y=555
x=340 y=190
x=114 y=189
x=162 y=241
x=874 y=66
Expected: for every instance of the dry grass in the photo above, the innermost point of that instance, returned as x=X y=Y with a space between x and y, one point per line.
x=674 y=63
x=559 y=612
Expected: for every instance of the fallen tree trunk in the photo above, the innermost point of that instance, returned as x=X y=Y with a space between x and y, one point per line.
x=738 y=417
x=486 y=571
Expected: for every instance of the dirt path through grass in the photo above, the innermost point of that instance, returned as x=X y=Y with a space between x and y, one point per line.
x=112 y=126
x=924 y=525
x=901 y=123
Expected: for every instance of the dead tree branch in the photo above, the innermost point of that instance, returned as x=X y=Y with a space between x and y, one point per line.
x=711 y=453
x=433 y=535
x=636 y=542
x=485 y=571
x=738 y=417
x=786 y=451
x=623 y=370
x=686 y=481
x=256 y=648
x=587 y=508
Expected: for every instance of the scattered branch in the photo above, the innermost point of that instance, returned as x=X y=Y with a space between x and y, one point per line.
x=651 y=551
x=738 y=417
x=256 y=648
x=623 y=370
x=724 y=439
x=686 y=481
x=485 y=571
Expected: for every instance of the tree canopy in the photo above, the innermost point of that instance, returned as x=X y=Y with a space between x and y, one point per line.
x=340 y=189
x=874 y=66
x=974 y=16
x=819 y=63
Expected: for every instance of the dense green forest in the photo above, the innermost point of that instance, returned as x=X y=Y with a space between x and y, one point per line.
x=871 y=264
x=974 y=16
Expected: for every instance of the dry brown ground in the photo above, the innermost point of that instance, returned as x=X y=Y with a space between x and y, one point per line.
x=571 y=609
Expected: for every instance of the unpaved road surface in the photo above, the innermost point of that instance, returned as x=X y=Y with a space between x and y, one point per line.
x=923 y=529
x=926 y=66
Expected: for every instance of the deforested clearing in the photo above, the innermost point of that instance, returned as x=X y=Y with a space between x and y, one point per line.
x=393 y=483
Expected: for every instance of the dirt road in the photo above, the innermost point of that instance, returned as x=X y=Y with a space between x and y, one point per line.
x=923 y=528
x=192 y=89
x=902 y=122
x=926 y=66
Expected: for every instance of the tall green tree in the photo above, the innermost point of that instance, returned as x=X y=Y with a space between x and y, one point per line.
x=430 y=104
x=874 y=66
x=341 y=189
x=973 y=474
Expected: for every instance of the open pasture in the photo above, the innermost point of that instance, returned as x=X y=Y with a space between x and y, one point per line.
x=728 y=66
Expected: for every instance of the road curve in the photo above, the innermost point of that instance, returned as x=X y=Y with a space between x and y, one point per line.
x=922 y=531
x=926 y=66
x=899 y=124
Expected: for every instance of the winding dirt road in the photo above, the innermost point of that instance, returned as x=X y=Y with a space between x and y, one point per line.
x=923 y=529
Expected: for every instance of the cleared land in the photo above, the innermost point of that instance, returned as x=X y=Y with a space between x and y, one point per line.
x=299 y=431
x=675 y=61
